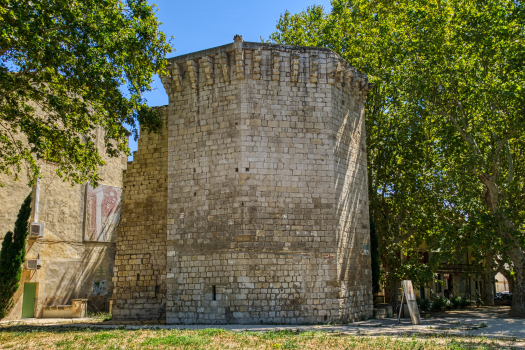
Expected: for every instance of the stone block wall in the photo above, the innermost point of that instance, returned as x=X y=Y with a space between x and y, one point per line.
x=140 y=262
x=267 y=208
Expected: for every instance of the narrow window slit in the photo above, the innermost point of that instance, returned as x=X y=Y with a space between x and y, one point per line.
x=214 y=291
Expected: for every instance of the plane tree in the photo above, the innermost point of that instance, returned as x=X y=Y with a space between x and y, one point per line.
x=445 y=121
x=68 y=69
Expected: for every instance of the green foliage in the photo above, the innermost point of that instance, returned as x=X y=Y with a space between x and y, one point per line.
x=445 y=124
x=424 y=304
x=190 y=340
x=458 y=303
x=68 y=69
x=439 y=304
x=12 y=256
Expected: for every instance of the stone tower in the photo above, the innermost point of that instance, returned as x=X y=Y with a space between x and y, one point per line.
x=251 y=205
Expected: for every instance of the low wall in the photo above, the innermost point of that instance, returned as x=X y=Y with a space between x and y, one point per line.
x=77 y=309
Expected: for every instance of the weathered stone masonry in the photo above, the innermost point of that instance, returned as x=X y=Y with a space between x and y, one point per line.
x=140 y=261
x=266 y=215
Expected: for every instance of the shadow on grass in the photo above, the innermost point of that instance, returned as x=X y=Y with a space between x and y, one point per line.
x=157 y=337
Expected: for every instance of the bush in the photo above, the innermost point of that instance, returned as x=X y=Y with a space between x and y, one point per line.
x=459 y=302
x=424 y=304
x=439 y=304
x=12 y=256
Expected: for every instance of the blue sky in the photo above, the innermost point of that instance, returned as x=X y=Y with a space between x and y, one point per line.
x=198 y=25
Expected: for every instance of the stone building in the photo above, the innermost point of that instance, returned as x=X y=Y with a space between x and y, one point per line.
x=77 y=248
x=251 y=204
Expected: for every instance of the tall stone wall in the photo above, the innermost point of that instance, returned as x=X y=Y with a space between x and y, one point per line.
x=140 y=262
x=267 y=197
x=351 y=201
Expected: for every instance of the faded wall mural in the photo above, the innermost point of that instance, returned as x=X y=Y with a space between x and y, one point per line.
x=102 y=213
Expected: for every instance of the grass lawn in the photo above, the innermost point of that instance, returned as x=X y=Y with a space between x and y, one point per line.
x=33 y=337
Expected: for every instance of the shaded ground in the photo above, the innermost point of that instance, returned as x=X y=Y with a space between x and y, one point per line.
x=487 y=327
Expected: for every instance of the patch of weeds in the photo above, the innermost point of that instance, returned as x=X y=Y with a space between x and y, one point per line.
x=270 y=335
x=99 y=315
x=290 y=344
x=177 y=340
x=211 y=332
x=64 y=343
x=102 y=336
x=113 y=347
x=482 y=325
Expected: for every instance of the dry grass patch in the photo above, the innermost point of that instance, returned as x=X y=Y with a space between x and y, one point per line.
x=27 y=337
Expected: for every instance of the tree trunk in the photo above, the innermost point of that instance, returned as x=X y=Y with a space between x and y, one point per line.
x=518 y=295
x=516 y=253
x=488 y=289
x=391 y=295
x=487 y=294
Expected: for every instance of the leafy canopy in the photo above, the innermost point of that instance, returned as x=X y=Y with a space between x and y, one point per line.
x=445 y=122
x=68 y=68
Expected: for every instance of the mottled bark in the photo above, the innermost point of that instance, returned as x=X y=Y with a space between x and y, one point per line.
x=487 y=293
x=488 y=289
x=518 y=294
x=516 y=252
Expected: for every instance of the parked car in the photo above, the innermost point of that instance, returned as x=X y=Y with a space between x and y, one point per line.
x=506 y=295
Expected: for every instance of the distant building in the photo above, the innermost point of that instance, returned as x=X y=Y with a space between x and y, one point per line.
x=77 y=247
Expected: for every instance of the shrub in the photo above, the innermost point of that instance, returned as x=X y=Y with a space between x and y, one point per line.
x=425 y=305
x=459 y=302
x=12 y=256
x=439 y=304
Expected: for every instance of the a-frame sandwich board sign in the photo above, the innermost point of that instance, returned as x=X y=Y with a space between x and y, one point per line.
x=410 y=296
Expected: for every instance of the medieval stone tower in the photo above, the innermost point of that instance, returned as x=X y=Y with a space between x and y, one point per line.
x=251 y=204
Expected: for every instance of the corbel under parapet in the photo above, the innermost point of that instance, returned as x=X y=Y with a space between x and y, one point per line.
x=349 y=77
x=176 y=77
x=331 y=69
x=193 y=72
x=340 y=72
x=207 y=63
x=295 y=67
x=223 y=62
x=276 y=65
x=257 y=57
x=314 y=68
x=239 y=63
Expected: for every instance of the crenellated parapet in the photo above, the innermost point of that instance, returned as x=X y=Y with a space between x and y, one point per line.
x=264 y=185
x=244 y=61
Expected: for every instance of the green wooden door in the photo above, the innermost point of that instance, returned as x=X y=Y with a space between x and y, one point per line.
x=28 y=301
